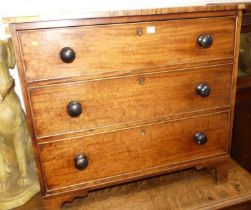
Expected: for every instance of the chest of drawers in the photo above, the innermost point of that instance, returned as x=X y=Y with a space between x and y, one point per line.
x=120 y=96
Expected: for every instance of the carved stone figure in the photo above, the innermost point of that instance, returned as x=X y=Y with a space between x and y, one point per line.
x=18 y=181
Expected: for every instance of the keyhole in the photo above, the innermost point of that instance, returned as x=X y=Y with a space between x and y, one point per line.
x=139 y=31
x=141 y=81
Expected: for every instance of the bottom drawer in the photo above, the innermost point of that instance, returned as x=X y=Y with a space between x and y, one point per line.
x=132 y=149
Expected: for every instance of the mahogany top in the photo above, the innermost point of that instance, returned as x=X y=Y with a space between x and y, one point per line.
x=120 y=13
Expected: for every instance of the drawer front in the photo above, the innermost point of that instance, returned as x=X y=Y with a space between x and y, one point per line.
x=132 y=150
x=121 y=47
x=127 y=99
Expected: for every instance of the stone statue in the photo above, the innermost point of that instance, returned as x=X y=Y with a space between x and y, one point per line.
x=18 y=181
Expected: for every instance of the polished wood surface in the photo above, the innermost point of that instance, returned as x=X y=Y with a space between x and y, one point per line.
x=246 y=23
x=137 y=12
x=241 y=136
x=241 y=133
x=132 y=150
x=171 y=64
x=234 y=78
x=119 y=48
x=156 y=94
x=185 y=190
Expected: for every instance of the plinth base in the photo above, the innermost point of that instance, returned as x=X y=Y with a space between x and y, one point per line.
x=18 y=196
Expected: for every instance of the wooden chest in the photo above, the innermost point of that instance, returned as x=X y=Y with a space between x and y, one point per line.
x=120 y=96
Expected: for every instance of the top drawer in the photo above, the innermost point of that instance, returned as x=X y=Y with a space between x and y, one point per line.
x=121 y=47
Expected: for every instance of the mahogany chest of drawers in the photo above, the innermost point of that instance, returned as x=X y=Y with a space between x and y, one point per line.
x=120 y=96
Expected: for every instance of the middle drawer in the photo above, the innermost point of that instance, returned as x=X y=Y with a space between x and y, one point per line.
x=56 y=108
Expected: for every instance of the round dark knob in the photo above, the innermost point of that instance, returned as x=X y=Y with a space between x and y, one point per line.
x=203 y=90
x=200 y=138
x=74 y=109
x=205 y=40
x=67 y=55
x=81 y=161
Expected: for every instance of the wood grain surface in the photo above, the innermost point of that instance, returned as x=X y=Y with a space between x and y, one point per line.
x=139 y=123
x=137 y=12
x=184 y=190
x=234 y=78
x=241 y=145
x=117 y=47
x=132 y=150
x=124 y=100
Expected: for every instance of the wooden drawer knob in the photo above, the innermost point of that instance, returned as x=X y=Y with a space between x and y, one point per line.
x=67 y=55
x=205 y=40
x=203 y=89
x=200 y=138
x=81 y=162
x=74 y=109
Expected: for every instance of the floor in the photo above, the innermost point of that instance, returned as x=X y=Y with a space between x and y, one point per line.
x=185 y=190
